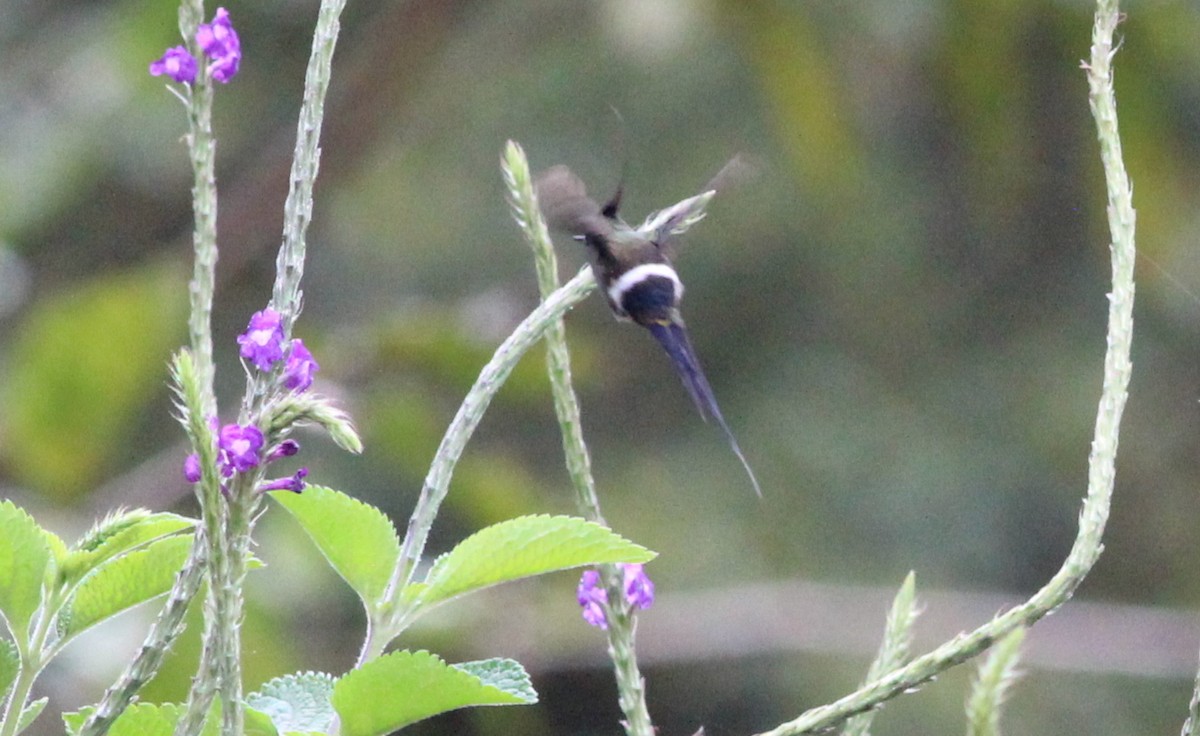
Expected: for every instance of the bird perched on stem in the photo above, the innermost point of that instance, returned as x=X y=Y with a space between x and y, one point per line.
x=633 y=267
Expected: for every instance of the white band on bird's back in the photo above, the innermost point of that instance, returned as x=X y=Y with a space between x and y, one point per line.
x=638 y=274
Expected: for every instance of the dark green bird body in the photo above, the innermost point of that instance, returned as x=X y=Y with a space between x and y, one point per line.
x=634 y=269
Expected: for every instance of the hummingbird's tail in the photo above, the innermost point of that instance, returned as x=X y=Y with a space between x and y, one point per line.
x=674 y=339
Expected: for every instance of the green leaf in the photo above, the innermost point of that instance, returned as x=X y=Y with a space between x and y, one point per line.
x=402 y=688
x=10 y=662
x=124 y=582
x=145 y=719
x=503 y=674
x=297 y=702
x=357 y=539
x=72 y=418
x=116 y=534
x=520 y=548
x=30 y=713
x=58 y=548
x=24 y=558
x=257 y=723
x=139 y=719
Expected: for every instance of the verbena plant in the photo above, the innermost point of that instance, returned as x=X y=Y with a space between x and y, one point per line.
x=50 y=591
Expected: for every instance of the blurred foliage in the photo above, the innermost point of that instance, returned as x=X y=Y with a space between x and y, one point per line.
x=902 y=317
x=84 y=364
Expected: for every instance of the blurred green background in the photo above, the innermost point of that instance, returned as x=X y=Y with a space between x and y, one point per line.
x=902 y=317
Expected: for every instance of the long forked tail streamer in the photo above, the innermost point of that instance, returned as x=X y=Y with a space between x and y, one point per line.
x=674 y=339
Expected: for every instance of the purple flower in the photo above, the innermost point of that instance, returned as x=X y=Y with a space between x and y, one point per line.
x=239 y=447
x=191 y=468
x=287 y=448
x=293 y=483
x=639 y=588
x=177 y=64
x=262 y=342
x=300 y=367
x=593 y=598
x=219 y=42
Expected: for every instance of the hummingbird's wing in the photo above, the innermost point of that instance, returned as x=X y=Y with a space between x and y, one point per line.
x=674 y=339
x=566 y=205
x=664 y=227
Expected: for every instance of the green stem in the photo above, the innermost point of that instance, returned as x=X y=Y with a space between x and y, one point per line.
x=558 y=358
x=437 y=481
x=230 y=572
x=1191 y=726
x=631 y=686
x=297 y=212
x=32 y=656
x=1102 y=460
x=164 y=631
x=202 y=149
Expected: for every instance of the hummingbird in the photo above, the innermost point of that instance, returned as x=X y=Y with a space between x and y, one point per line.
x=633 y=268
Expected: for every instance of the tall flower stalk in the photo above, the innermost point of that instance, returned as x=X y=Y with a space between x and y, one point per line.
x=615 y=603
x=1102 y=460
x=228 y=463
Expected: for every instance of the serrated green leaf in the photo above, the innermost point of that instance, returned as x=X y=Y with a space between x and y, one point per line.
x=117 y=534
x=297 y=703
x=356 y=538
x=521 y=548
x=74 y=720
x=10 y=662
x=503 y=674
x=124 y=582
x=257 y=723
x=58 y=548
x=24 y=558
x=144 y=719
x=30 y=713
x=402 y=688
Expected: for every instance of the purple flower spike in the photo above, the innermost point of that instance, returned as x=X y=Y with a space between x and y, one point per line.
x=592 y=598
x=300 y=367
x=293 y=483
x=239 y=447
x=639 y=588
x=219 y=42
x=177 y=64
x=262 y=342
x=191 y=468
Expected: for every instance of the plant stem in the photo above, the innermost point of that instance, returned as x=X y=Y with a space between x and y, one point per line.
x=230 y=574
x=558 y=358
x=1102 y=460
x=32 y=656
x=437 y=481
x=202 y=150
x=1191 y=726
x=297 y=211
x=631 y=686
x=163 y=632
